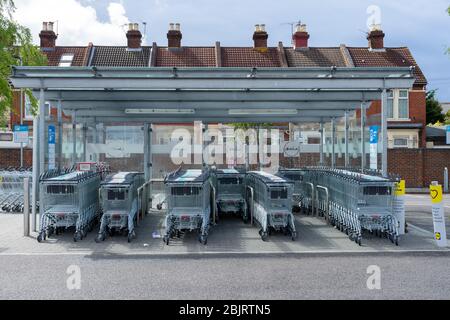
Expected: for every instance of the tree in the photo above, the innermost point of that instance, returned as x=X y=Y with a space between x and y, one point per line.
x=434 y=108
x=16 y=48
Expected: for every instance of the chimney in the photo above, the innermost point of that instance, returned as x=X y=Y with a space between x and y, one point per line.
x=174 y=36
x=300 y=37
x=260 y=36
x=376 y=37
x=134 y=36
x=48 y=36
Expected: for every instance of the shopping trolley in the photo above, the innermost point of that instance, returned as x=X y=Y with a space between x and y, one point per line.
x=119 y=204
x=68 y=199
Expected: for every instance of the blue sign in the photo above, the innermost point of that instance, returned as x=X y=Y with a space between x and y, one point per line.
x=374 y=134
x=20 y=134
x=51 y=134
x=20 y=128
x=51 y=146
x=448 y=134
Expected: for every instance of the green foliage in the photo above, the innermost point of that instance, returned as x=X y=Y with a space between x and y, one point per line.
x=434 y=109
x=447 y=118
x=246 y=126
x=16 y=47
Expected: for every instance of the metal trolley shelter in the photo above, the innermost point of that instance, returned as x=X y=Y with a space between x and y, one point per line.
x=155 y=95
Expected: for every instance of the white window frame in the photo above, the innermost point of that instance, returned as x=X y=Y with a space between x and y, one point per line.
x=406 y=146
x=27 y=116
x=396 y=105
x=66 y=60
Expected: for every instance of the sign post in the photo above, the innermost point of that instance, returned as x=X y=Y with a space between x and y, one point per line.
x=51 y=147
x=399 y=205
x=440 y=234
x=374 y=130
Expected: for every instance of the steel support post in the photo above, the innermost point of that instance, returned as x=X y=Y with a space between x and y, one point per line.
x=42 y=134
x=363 y=137
x=333 y=143
x=322 y=137
x=384 y=132
x=60 y=134
x=347 y=126
x=74 y=137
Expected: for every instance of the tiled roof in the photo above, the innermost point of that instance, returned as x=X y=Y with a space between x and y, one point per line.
x=109 y=56
x=391 y=57
x=54 y=56
x=315 y=57
x=120 y=56
x=250 y=57
x=186 y=57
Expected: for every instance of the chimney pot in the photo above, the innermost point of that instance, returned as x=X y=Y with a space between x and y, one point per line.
x=260 y=36
x=174 y=35
x=300 y=37
x=134 y=36
x=48 y=36
x=376 y=37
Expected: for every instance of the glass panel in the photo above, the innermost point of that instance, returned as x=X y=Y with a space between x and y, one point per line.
x=278 y=194
x=390 y=108
x=403 y=93
x=401 y=142
x=230 y=181
x=403 y=108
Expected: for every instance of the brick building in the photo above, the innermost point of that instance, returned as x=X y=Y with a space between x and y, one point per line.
x=407 y=116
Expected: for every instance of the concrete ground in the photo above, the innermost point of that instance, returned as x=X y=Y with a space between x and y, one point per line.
x=322 y=264
x=229 y=236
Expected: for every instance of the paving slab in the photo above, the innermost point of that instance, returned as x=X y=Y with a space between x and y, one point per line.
x=229 y=236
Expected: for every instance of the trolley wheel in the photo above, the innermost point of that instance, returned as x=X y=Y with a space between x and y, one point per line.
x=77 y=237
x=40 y=237
x=294 y=236
x=204 y=240
x=51 y=231
x=166 y=240
x=100 y=238
x=264 y=236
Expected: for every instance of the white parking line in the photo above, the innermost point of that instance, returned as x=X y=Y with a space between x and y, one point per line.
x=420 y=229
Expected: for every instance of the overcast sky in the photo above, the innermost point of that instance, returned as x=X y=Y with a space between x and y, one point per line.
x=423 y=26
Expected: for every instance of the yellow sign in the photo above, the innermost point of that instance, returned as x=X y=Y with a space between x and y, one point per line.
x=438 y=236
x=400 y=188
x=436 y=194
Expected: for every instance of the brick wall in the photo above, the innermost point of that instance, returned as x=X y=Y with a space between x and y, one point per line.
x=11 y=158
x=419 y=166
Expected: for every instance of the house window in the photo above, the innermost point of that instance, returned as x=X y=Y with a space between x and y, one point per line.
x=398 y=105
x=6 y=136
x=400 y=142
x=28 y=115
x=66 y=60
